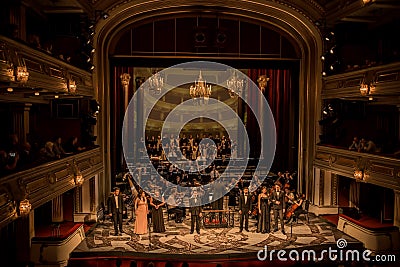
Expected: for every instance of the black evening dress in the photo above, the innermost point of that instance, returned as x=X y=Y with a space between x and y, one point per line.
x=157 y=218
x=263 y=218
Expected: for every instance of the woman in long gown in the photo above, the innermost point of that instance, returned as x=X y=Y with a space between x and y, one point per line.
x=263 y=225
x=141 y=211
x=157 y=215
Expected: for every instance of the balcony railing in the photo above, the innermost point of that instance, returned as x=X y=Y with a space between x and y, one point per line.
x=384 y=78
x=370 y=168
x=24 y=67
x=45 y=182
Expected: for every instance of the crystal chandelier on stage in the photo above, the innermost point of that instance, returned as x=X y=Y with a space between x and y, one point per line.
x=156 y=82
x=234 y=85
x=200 y=92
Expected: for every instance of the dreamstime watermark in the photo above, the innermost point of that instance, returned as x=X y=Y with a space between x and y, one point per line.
x=180 y=77
x=338 y=253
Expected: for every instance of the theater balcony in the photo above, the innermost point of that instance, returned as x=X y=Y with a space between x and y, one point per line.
x=48 y=181
x=28 y=72
x=360 y=190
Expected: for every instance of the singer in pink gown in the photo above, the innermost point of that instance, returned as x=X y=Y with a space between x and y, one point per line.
x=141 y=210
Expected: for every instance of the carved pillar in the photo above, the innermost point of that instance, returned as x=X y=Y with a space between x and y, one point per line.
x=314 y=195
x=396 y=221
x=334 y=189
x=85 y=199
x=25 y=231
x=93 y=184
x=21 y=121
x=78 y=199
x=321 y=188
x=57 y=214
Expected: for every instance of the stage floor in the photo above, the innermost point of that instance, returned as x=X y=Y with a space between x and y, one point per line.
x=212 y=243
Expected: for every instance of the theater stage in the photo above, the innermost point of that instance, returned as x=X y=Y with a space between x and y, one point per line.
x=215 y=243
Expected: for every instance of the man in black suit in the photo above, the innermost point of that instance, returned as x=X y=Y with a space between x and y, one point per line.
x=195 y=210
x=278 y=205
x=245 y=206
x=116 y=209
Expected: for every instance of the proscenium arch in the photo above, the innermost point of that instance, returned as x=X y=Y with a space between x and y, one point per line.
x=296 y=25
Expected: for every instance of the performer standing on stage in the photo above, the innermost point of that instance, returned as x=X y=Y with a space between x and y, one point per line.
x=263 y=211
x=157 y=216
x=195 y=210
x=115 y=205
x=141 y=210
x=245 y=207
x=278 y=202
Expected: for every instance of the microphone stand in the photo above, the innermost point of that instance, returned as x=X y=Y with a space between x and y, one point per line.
x=149 y=228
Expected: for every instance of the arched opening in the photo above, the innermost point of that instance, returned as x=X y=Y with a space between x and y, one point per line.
x=145 y=38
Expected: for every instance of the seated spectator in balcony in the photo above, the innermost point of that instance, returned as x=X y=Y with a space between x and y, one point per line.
x=26 y=156
x=13 y=144
x=58 y=148
x=355 y=145
x=367 y=146
x=72 y=145
x=8 y=161
x=47 y=152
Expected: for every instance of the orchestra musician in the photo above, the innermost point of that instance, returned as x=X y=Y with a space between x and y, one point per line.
x=296 y=208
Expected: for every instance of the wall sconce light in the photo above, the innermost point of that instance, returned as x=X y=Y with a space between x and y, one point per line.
x=262 y=82
x=79 y=179
x=359 y=174
x=22 y=74
x=366 y=88
x=71 y=86
x=24 y=207
x=125 y=79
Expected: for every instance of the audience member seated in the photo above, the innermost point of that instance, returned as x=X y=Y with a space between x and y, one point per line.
x=72 y=145
x=47 y=153
x=8 y=161
x=58 y=148
x=367 y=146
x=26 y=155
x=355 y=145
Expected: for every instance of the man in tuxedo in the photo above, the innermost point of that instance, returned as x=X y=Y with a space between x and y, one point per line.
x=195 y=210
x=278 y=205
x=245 y=205
x=116 y=209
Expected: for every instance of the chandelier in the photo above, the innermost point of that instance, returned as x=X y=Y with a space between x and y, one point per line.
x=200 y=90
x=156 y=82
x=234 y=85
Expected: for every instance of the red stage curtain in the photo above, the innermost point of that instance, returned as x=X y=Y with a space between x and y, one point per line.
x=282 y=101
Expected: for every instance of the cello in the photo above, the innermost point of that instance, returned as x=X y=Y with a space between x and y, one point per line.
x=295 y=205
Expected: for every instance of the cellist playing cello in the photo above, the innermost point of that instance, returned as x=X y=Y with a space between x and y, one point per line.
x=296 y=207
